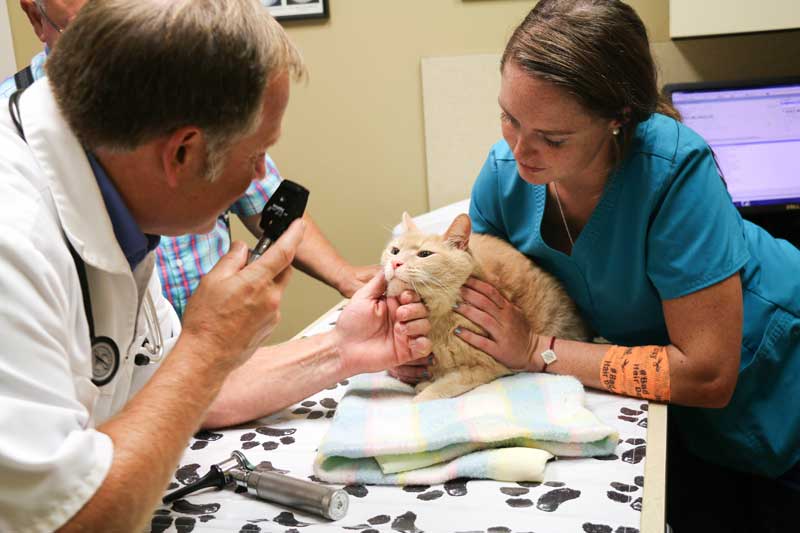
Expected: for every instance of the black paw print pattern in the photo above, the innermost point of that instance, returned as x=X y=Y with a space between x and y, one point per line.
x=342 y=383
x=627 y=493
x=203 y=438
x=188 y=474
x=356 y=490
x=548 y=501
x=635 y=450
x=454 y=487
x=588 y=527
x=163 y=519
x=326 y=408
x=634 y=416
x=404 y=523
x=277 y=436
x=285 y=519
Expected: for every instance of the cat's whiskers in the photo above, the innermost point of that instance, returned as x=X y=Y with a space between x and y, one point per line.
x=425 y=278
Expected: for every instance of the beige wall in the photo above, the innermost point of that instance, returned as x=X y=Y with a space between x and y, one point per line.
x=354 y=134
x=26 y=44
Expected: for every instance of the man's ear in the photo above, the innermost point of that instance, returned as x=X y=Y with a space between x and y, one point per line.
x=183 y=155
x=457 y=235
x=35 y=18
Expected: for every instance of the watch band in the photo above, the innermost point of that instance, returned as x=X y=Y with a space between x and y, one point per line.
x=549 y=356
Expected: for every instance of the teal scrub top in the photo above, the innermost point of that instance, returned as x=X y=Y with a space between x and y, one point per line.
x=666 y=227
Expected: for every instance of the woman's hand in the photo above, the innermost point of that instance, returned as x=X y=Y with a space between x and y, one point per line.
x=509 y=337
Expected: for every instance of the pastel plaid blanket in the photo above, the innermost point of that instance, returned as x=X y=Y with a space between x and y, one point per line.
x=505 y=430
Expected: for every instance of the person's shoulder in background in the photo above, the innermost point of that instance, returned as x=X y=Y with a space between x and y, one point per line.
x=9 y=85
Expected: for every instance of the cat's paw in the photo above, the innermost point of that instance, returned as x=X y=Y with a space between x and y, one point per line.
x=431 y=393
x=421 y=386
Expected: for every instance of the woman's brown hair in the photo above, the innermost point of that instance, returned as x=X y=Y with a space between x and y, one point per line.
x=596 y=50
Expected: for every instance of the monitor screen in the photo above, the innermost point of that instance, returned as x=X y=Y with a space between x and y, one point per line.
x=755 y=134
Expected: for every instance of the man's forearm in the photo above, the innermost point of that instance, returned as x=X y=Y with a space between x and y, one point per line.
x=276 y=377
x=149 y=436
x=317 y=257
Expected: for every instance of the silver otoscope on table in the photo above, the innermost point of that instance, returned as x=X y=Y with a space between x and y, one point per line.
x=298 y=493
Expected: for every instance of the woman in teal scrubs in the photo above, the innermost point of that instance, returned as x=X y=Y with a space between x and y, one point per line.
x=626 y=207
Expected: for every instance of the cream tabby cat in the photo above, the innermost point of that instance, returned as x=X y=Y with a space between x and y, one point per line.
x=436 y=266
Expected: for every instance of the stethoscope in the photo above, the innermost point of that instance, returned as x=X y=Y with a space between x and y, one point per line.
x=105 y=353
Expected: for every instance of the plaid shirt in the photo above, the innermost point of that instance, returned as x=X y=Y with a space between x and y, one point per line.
x=182 y=261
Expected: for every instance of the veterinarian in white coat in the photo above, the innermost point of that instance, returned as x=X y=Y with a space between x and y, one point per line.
x=50 y=407
x=85 y=447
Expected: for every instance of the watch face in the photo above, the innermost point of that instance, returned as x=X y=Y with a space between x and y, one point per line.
x=105 y=360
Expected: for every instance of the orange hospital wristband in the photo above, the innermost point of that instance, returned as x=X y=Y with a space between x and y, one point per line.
x=642 y=372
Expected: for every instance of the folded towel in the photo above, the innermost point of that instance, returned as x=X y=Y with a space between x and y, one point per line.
x=504 y=430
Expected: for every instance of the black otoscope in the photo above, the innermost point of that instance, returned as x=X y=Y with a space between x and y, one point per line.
x=271 y=486
x=285 y=205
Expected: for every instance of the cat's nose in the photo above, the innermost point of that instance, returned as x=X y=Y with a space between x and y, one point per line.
x=396 y=264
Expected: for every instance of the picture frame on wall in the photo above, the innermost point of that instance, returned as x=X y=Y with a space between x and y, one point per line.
x=297 y=9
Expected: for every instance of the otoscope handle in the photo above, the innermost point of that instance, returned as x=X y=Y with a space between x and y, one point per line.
x=310 y=497
x=214 y=478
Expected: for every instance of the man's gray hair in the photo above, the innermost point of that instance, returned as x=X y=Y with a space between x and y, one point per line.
x=128 y=71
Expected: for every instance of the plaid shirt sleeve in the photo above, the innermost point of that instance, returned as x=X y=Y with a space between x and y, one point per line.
x=9 y=85
x=258 y=193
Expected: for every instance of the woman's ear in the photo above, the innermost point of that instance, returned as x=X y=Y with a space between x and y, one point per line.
x=457 y=235
x=623 y=119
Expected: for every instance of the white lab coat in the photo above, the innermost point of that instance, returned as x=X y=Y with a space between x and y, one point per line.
x=52 y=460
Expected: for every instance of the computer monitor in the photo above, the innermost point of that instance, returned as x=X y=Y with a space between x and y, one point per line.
x=753 y=127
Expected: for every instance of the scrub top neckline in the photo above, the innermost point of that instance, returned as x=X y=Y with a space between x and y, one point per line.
x=588 y=234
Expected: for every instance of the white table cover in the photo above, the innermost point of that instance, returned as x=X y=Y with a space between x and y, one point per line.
x=595 y=495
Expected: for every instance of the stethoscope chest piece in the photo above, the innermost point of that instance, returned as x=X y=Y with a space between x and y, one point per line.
x=105 y=360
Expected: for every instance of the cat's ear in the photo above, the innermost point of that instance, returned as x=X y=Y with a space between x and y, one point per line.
x=408 y=223
x=457 y=235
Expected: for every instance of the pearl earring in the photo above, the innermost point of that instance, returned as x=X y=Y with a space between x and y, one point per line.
x=615 y=132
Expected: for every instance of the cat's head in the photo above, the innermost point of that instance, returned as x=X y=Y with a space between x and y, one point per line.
x=432 y=265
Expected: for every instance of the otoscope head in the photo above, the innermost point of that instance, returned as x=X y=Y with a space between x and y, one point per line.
x=242 y=460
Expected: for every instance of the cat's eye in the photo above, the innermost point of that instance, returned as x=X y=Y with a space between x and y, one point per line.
x=424 y=253
x=395 y=250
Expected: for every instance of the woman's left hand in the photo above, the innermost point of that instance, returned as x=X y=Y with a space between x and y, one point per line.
x=509 y=337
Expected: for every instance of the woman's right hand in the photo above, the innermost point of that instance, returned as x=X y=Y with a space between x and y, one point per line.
x=509 y=338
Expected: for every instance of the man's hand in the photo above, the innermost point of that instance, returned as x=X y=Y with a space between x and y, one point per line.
x=236 y=305
x=375 y=333
x=351 y=278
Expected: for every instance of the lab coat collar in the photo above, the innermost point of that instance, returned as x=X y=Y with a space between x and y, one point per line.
x=134 y=243
x=63 y=162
